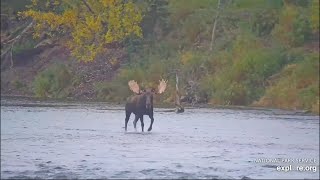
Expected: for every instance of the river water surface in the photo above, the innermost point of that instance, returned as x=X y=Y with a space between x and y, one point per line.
x=87 y=140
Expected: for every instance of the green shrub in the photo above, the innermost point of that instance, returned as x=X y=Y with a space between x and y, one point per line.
x=293 y=28
x=146 y=73
x=244 y=81
x=308 y=96
x=295 y=55
x=301 y=29
x=112 y=91
x=18 y=84
x=206 y=88
x=24 y=46
x=197 y=25
x=315 y=16
x=180 y=9
x=128 y=74
x=53 y=82
x=77 y=80
x=193 y=64
x=296 y=87
x=264 y=22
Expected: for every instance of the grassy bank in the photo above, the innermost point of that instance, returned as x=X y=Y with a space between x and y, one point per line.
x=261 y=54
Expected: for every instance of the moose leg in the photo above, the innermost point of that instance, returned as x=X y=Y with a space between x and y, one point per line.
x=135 y=122
x=127 y=119
x=141 y=120
x=150 y=127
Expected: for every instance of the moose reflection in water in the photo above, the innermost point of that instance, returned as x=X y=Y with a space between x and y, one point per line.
x=142 y=103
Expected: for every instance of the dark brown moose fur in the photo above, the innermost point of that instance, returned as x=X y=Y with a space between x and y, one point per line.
x=142 y=103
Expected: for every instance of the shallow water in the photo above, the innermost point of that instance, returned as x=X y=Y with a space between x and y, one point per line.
x=87 y=140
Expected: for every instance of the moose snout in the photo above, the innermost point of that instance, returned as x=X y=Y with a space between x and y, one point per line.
x=148 y=106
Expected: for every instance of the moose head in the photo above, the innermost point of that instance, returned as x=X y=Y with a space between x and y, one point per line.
x=147 y=94
x=142 y=103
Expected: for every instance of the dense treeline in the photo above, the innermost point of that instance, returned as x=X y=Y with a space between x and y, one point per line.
x=226 y=52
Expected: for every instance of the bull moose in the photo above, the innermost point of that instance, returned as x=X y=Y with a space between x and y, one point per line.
x=142 y=103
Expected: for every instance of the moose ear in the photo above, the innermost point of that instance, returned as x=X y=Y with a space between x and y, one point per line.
x=162 y=86
x=134 y=87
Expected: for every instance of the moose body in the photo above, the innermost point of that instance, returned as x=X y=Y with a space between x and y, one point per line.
x=141 y=104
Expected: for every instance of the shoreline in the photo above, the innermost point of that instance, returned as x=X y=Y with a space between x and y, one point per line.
x=49 y=102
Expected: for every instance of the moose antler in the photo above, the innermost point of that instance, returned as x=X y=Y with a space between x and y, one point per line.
x=134 y=87
x=162 y=86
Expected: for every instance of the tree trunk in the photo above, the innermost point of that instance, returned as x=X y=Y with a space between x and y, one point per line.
x=215 y=25
x=179 y=108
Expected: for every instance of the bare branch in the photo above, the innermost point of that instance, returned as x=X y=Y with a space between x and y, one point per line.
x=177 y=90
x=20 y=35
x=44 y=43
x=87 y=5
x=11 y=59
x=9 y=38
x=5 y=51
x=13 y=41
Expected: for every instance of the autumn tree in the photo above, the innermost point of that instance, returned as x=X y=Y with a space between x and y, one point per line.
x=86 y=25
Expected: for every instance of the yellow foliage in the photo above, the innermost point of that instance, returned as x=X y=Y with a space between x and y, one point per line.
x=88 y=29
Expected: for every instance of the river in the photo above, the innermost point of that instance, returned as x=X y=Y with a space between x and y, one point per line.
x=87 y=140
